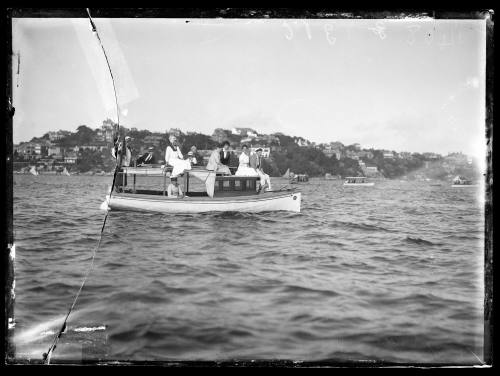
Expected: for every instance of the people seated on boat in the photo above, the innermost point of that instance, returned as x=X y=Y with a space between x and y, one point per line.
x=147 y=158
x=256 y=163
x=174 y=190
x=122 y=152
x=244 y=168
x=174 y=158
x=214 y=163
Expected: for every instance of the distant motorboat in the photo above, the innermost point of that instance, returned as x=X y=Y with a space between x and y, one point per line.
x=357 y=181
x=33 y=171
x=331 y=177
x=461 y=182
x=65 y=172
x=302 y=177
x=291 y=177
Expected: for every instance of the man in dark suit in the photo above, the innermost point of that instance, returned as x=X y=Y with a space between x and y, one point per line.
x=147 y=158
x=225 y=155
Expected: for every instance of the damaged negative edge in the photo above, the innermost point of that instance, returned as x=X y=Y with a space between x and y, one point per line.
x=6 y=165
x=488 y=209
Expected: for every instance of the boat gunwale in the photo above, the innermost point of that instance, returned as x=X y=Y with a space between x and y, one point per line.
x=206 y=200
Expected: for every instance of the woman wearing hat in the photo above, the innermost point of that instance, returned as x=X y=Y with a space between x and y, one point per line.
x=174 y=158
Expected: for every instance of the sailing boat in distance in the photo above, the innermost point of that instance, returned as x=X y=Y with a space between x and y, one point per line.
x=33 y=171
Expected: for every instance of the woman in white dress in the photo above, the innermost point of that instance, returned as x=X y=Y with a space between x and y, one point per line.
x=174 y=158
x=244 y=168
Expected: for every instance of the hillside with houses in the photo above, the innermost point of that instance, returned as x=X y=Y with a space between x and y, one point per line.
x=89 y=150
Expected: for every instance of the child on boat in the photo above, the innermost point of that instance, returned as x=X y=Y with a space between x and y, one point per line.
x=173 y=189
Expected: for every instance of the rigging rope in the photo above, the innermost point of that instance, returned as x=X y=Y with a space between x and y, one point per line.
x=48 y=354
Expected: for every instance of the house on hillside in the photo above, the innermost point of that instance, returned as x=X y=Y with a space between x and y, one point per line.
x=266 y=152
x=57 y=135
x=365 y=154
x=31 y=150
x=388 y=155
x=70 y=158
x=302 y=142
x=55 y=150
x=371 y=171
x=431 y=156
x=174 y=132
x=105 y=133
x=405 y=155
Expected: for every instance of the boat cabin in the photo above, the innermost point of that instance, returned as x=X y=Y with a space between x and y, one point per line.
x=460 y=180
x=205 y=183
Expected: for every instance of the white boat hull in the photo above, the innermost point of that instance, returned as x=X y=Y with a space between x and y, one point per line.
x=359 y=184
x=269 y=201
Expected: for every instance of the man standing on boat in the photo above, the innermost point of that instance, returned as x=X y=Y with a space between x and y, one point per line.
x=256 y=163
x=174 y=158
x=225 y=155
x=122 y=153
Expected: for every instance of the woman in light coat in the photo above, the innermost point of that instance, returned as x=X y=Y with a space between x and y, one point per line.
x=174 y=158
x=244 y=168
x=214 y=163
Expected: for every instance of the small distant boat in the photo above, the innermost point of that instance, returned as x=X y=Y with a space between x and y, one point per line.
x=33 y=171
x=357 y=181
x=331 y=177
x=302 y=177
x=291 y=177
x=65 y=172
x=462 y=182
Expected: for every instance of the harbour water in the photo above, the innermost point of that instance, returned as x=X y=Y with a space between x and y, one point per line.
x=392 y=273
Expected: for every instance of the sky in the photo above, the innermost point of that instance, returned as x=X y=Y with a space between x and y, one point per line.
x=413 y=85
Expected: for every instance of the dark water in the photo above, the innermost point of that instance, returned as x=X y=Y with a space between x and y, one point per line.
x=392 y=272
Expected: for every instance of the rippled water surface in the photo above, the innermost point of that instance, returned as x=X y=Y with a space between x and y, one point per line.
x=392 y=272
